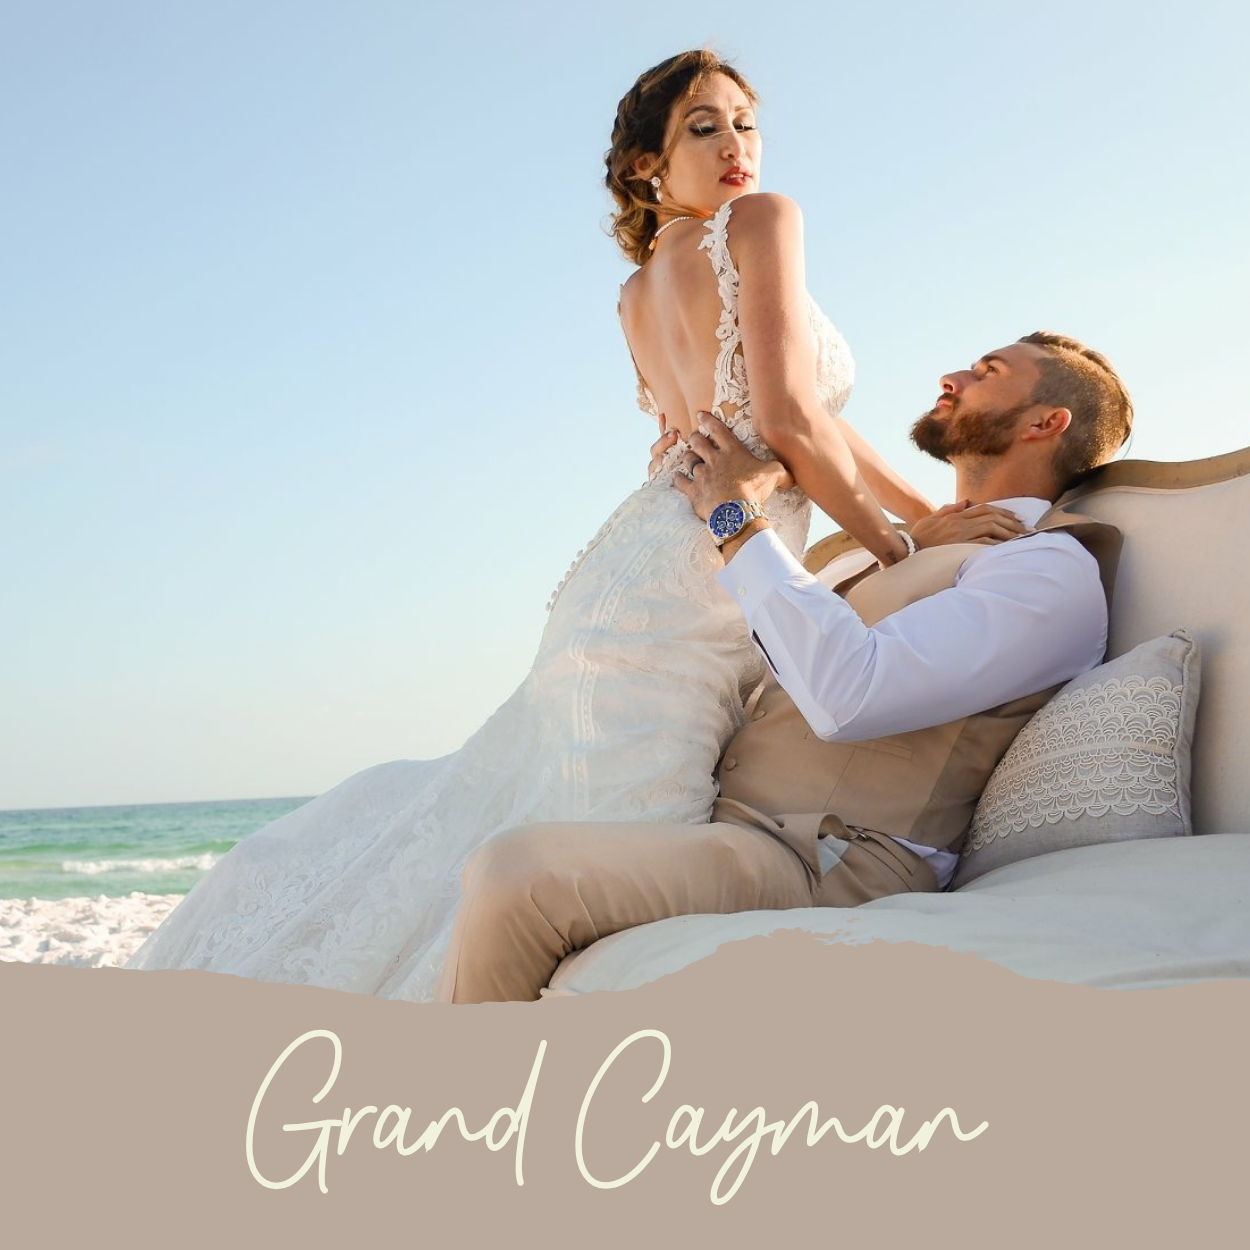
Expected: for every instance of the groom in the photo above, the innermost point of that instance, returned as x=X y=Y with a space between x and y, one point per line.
x=858 y=768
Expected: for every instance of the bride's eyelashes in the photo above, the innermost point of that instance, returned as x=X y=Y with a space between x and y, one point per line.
x=706 y=131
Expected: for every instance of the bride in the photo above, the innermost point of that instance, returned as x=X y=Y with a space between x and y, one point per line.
x=643 y=666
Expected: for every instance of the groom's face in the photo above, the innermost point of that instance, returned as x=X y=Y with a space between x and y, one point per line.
x=981 y=408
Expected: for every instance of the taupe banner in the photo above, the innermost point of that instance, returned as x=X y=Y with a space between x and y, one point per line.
x=784 y=1089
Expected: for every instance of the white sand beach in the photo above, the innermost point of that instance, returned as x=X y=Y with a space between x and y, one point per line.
x=97 y=932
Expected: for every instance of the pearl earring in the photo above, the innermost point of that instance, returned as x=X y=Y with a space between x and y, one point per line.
x=655 y=182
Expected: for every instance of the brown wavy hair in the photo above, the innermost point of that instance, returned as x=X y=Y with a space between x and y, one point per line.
x=1082 y=380
x=641 y=120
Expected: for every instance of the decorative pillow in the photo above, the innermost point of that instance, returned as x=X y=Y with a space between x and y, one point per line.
x=1106 y=760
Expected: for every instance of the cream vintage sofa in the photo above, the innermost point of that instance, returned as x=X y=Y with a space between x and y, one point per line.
x=1127 y=914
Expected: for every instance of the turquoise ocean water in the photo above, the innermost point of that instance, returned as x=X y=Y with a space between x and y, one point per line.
x=158 y=848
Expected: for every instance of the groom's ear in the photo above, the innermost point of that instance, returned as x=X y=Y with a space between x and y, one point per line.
x=1049 y=423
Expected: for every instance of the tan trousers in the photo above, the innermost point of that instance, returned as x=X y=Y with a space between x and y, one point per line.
x=535 y=894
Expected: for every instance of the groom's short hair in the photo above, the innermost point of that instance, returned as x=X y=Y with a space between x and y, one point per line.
x=1082 y=380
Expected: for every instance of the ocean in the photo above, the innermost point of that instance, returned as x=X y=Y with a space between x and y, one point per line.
x=156 y=848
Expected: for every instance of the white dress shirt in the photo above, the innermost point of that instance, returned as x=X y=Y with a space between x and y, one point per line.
x=1022 y=615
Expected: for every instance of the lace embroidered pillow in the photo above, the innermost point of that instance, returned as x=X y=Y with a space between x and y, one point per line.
x=1106 y=760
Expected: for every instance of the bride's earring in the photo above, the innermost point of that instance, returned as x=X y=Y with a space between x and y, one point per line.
x=655 y=182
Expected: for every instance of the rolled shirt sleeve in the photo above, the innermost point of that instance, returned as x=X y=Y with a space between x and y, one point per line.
x=1022 y=616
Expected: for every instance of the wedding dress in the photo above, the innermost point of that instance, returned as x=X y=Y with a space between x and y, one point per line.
x=638 y=683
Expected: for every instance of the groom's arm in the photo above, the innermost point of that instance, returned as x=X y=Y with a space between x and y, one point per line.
x=1022 y=616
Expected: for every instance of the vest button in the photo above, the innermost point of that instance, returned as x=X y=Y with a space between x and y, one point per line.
x=730 y=764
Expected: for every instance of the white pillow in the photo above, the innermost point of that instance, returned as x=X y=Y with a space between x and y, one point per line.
x=1106 y=760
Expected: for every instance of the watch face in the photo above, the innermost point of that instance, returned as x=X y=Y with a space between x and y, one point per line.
x=726 y=520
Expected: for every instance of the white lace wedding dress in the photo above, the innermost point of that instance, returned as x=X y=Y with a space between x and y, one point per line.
x=638 y=683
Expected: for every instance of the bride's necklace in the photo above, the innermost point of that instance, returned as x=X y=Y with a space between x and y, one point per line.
x=672 y=222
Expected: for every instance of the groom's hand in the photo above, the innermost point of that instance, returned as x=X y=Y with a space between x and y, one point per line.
x=717 y=468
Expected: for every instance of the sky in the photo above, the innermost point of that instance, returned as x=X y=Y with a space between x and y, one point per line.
x=311 y=383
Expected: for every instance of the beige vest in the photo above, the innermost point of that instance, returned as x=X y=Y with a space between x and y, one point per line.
x=922 y=785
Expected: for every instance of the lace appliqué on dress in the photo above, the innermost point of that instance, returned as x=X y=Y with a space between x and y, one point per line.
x=730 y=372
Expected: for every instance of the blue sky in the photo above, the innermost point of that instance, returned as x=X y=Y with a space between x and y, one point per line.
x=312 y=383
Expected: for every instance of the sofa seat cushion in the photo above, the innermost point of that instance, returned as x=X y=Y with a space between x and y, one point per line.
x=1122 y=915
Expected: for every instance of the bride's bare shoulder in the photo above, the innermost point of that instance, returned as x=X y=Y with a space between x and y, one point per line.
x=764 y=213
x=631 y=296
x=632 y=287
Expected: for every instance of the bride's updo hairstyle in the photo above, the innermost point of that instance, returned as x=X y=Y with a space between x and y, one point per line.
x=641 y=120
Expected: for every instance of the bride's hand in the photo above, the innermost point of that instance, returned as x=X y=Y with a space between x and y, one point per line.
x=967 y=522
x=666 y=440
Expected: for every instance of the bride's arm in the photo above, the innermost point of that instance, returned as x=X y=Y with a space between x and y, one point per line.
x=893 y=491
x=766 y=239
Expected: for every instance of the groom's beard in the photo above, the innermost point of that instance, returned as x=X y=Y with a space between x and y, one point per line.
x=967 y=432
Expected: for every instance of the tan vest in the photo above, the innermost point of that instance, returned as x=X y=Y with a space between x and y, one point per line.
x=923 y=785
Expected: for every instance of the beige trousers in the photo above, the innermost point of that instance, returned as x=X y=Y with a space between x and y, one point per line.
x=535 y=894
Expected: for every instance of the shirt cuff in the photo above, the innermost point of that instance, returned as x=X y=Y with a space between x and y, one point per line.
x=760 y=565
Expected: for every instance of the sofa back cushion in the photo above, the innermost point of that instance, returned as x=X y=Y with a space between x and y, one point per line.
x=1186 y=547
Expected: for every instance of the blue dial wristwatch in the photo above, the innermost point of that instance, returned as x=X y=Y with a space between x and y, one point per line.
x=728 y=519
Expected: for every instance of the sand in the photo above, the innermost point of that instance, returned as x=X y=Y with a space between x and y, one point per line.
x=97 y=932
